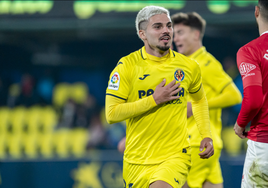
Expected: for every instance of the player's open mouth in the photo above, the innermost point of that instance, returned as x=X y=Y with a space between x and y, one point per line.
x=165 y=38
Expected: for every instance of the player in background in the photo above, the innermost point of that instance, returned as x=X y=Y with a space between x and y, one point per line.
x=149 y=89
x=220 y=91
x=252 y=62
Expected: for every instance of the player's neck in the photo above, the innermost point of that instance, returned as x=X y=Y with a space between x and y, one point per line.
x=263 y=26
x=155 y=52
x=263 y=29
x=195 y=47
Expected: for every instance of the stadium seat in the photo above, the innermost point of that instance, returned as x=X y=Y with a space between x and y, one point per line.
x=61 y=94
x=61 y=140
x=79 y=138
x=4 y=124
x=49 y=119
x=32 y=119
x=79 y=92
x=14 y=136
x=30 y=144
x=31 y=129
x=45 y=143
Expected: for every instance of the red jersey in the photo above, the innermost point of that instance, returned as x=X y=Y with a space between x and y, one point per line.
x=252 y=62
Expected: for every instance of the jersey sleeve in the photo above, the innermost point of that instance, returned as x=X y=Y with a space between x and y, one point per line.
x=197 y=79
x=249 y=68
x=252 y=103
x=119 y=80
x=199 y=103
x=228 y=97
x=201 y=113
x=116 y=106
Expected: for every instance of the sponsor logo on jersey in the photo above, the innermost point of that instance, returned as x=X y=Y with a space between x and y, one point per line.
x=179 y=75
x=114 y=82
x=176 y=180
x=266 y=55
x=144 y=76
x=246 y=68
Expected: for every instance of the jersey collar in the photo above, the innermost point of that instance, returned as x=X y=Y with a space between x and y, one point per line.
x=197 y=52
x=264 y=32
x=144 y=53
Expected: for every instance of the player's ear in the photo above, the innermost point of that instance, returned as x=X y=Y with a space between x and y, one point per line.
x=142 y=34
x=197 y=34
x=257 y=11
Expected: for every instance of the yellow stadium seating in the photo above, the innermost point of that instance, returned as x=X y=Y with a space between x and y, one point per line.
x=14 y=136
x=78 y=142
x=61 y=140
x=4 y=125
x=61 y=94
x=79 y=92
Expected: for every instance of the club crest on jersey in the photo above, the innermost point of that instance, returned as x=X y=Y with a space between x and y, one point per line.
x=245 y=68
x=114 y=82
x=179 y=75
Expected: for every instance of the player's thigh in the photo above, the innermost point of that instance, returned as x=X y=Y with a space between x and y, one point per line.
x=200 y=169
x=211 y=185
x=173 y=171
x=160 y=184
x=255 y=172
x=136 y=175
x=215 y=175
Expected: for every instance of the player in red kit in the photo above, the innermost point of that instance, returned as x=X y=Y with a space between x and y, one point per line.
x=252 y=62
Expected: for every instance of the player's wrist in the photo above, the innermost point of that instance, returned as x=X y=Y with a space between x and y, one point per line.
x=157 y=102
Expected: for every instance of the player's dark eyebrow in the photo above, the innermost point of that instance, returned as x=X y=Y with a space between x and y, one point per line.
x=157 y=24
x=161 y=23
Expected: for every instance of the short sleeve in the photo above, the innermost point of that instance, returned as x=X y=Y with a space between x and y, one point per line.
x=119 y=80
x=197 y=79
x=249 y=68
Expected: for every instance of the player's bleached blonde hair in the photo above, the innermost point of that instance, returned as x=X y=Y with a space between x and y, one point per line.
x=145 y=14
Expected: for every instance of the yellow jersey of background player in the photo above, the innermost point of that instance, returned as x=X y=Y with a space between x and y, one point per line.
x=214 y=80
x=220 y=91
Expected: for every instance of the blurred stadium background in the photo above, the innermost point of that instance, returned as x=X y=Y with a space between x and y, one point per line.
x=55 y=61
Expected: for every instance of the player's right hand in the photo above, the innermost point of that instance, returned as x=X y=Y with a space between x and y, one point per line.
x=240 y=131
x=166 y=93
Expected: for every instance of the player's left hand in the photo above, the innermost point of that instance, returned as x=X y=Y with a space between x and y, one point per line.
x=240 y=131
x=208 y=144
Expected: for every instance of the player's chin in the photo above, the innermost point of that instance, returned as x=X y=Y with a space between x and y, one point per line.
x=164 y=47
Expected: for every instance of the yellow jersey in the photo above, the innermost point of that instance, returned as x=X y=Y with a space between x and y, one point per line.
x=160 y=133
x=214 y=80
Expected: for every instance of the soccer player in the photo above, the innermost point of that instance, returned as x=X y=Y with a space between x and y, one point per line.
x=220 y=91
x=149 y=89
x=252 y=62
